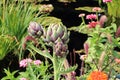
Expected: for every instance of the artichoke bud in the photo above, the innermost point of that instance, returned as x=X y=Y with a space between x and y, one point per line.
x=58 y=40
x=39 y=33
x=56 y=33
x=31 y=32
x=60 y=31
x=35 y=29
x=60 y=48
x=54 y=27
x=65 y=37
x=48 y=39
x=49 y=31
x=54 y=36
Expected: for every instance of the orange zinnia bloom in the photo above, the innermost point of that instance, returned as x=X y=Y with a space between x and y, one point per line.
x=97 y=75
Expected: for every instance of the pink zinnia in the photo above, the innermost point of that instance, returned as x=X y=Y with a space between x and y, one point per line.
x=105 y=1
x=81 y=15
x=23 y=79
x=92 y=24
x=117 y=60
x=37 y=62
x=96 y=9
x=91 y=16
x=24 y=62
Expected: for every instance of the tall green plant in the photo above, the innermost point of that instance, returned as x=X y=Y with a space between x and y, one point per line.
x=14 y=19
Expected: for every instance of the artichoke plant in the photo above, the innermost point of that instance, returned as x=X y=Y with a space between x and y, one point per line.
x=55 y=32
x=58 y=37
x=35 y=29
x=60 y=48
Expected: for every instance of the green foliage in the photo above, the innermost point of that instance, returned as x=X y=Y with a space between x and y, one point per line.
x=102 y=42
x=10 y=75
x=70 y=69
x=87 y=8
x=6 y=45
x=34 y=72
x=113 y=8
x=14 y=20
x=47 y=20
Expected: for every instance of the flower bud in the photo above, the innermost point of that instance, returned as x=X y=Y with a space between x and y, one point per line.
x=35 y=29
x=60 y=48
x=117 y=34
x=56 y=32
x=83 y=57
x=102 y=20
x=96 y=9
x=86 y=47
x=65 y=37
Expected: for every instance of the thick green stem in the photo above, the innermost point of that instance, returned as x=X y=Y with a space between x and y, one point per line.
x=55 y=66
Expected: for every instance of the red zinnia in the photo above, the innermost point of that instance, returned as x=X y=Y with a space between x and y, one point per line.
x=92 y=24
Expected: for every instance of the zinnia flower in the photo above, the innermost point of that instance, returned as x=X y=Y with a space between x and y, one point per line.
x=95 y=9
x=23 y=63
x=92 y=24
x=81 y=15
x=37 y=62
x=23 y=79
x=105 y=1
x=91 y=16
x=97 y=75
x=117 y=60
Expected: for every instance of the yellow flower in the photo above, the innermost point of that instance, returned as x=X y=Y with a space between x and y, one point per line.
x=97 y=75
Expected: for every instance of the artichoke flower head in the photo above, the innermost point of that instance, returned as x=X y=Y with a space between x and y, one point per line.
x=35 y=29
x=57 y=31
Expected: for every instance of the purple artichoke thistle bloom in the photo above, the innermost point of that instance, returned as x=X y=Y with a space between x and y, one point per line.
x=35 y=29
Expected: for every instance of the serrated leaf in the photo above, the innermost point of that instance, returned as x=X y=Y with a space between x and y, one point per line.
x=39 y=51
x=70 y=69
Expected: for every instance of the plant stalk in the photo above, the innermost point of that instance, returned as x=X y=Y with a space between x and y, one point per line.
x=55 y=66
x=101 y=60
x=66 y=65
